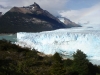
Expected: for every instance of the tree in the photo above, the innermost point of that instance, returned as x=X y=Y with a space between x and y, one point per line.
x=80 y=63
x=80 y=57
x=57 y=57
x=57 y=67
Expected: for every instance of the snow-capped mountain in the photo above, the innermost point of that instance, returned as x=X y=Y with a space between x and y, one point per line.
x=64 y=41
x=67 y=22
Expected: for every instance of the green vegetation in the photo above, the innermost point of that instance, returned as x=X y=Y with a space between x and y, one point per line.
x=15 y=60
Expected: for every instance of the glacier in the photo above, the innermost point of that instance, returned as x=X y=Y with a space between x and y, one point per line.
x=64 y=41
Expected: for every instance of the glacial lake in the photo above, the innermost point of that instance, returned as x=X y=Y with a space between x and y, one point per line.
x=9 y=37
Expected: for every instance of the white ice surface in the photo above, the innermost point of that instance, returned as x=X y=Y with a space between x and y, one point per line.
x=65 y=41
x=61 y=19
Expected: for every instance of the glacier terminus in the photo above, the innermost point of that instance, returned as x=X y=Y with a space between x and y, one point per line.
x=64 y=41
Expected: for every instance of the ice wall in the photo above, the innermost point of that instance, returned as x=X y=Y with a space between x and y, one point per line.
x=65 y=41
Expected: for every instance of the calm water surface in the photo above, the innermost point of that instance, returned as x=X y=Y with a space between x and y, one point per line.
x=9 y=37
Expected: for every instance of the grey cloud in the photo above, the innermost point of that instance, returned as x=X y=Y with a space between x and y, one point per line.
x=4 y=7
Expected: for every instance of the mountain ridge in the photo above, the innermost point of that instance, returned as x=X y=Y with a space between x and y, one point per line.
x=29 y=19
x=68 y=22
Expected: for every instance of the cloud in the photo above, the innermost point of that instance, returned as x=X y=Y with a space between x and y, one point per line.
x=51 y=5
x=4 y=8
x=84 y=15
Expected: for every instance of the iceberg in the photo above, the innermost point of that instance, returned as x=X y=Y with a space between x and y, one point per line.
x=64 y=41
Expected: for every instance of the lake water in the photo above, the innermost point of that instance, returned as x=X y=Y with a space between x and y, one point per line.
x=9 y=37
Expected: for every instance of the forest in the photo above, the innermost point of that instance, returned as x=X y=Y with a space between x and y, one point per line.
x=15 y=60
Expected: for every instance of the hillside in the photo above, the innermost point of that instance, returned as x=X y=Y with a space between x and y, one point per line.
x=15 y=60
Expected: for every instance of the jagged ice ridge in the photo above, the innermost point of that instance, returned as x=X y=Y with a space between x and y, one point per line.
x=64 y=41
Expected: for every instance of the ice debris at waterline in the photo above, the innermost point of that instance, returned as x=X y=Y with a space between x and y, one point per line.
x=64 y=41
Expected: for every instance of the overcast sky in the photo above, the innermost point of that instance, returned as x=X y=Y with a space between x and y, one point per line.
x=79 y=11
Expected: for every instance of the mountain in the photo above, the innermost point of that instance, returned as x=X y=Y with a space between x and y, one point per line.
x=29 y=19
x=67 y=22
x=0 y=14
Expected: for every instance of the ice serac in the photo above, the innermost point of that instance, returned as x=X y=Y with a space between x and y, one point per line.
x=63 y=41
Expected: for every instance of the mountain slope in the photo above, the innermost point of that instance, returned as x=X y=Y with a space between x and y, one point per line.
x=67 y=22
x=0 y=14
x=29 y=19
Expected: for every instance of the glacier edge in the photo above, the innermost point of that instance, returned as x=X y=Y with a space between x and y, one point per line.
x=62 y=41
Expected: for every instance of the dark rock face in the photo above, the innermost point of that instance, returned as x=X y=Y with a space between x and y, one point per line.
x=35 y=5
x=0 y=14
x=29 y=19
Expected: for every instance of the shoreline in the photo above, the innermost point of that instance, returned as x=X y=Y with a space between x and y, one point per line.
x=7 y=33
